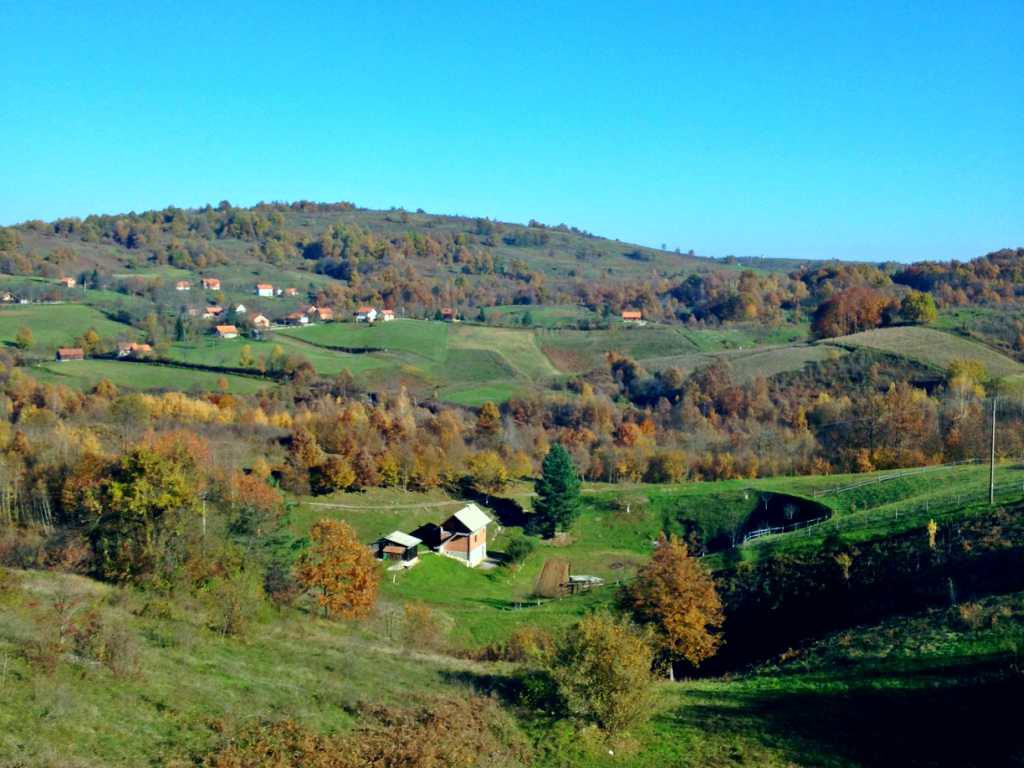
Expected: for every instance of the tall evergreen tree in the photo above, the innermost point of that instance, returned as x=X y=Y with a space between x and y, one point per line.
x=558 y=493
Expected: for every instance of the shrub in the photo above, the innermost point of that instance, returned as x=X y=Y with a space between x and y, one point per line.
x=416 y=737
x=422 y=628
x=602 y=668
x=529 y=643
x=518 y=549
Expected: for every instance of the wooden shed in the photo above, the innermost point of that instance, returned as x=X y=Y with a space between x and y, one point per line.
x=399 y=547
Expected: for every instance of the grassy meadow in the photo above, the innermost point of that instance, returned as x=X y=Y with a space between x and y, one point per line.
x=932 y=347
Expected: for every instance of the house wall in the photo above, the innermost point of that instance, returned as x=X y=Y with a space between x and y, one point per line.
x=472 y=549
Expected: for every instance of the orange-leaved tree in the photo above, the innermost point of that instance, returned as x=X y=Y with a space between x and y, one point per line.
x=339 y=570
x=674 y=593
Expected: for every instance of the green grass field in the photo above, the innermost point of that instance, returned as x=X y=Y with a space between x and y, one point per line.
x=57 y=325
x=226 y=352
x=85 y=374
x=931 y=347
x=423 y=339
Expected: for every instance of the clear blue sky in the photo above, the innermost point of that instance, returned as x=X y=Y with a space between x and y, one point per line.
x=798 y=129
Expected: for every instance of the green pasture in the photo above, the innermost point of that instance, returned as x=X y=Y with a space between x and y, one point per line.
x=85 y=374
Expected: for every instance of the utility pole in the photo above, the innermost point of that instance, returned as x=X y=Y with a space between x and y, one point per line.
x=992 y=458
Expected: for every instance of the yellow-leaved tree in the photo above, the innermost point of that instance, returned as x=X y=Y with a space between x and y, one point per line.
x=675 y=595
x=339 y=570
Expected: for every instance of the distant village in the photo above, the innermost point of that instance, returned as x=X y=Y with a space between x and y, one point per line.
x=225 y=320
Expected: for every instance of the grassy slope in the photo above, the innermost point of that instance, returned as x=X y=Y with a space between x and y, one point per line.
x=929 y=689
x=55 y=325
x=84 y=374
x=931 y=347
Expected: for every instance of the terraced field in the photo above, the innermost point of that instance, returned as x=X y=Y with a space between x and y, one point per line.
x=931 y=347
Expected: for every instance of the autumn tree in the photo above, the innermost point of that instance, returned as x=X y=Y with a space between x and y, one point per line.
x=919 y=307
x=856 y=309
x=602 y=668
x=335 y=474
x=488 y=421
x=557 y=503
x=339 y=570
x=245 y=357
x=673 y=593
x=23 y=338
x=487 y=472
x=134 y=508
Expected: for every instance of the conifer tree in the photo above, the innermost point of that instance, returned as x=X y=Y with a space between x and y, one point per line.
x=558 y=493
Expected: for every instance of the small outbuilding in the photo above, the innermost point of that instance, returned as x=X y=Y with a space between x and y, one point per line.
x=70 y=353
x=400 y=548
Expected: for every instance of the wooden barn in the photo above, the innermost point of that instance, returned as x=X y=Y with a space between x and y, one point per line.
x=399 y=547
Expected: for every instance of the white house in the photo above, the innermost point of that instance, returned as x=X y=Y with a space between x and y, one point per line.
x=265 y=289
x=387 y=315
x=365 y=314
x=464 y=535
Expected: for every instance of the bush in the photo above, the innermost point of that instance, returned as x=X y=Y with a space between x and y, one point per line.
x=602 y=668
x=518 y=549
x=280 y=585
x=422 y=628
x=529 y=643
x=387 y=737
x=10 y=583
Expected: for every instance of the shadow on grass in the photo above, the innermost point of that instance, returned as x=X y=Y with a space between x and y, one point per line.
x=965 y=716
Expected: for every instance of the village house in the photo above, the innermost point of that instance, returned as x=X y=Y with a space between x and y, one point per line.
x=448 y=314
x=183 y=285
x=323 y=314
x=70 y=353
x=226 y=331
x=264 y=289
x=296 y=318
x=387 y=315
x=261 y=321
x=240 y=309
x=632 y=316
x=290 y=292
x=68 y=282
x=7 y=297
x=214 y=310
x=400 y=548
x=365 y=314
x=463 y=536
x=211 y=283
x=133 y=349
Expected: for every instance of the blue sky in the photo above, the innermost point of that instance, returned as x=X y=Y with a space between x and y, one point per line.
x=884 y=130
